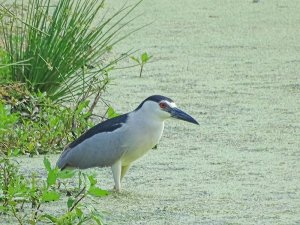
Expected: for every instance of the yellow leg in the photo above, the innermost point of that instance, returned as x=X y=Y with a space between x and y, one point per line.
x=116 y=170
x=124 y=171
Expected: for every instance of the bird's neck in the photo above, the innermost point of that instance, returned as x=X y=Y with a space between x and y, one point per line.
x=144 y=133
x=145 y=119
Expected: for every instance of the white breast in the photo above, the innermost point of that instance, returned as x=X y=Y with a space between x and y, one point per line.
x=141 y=137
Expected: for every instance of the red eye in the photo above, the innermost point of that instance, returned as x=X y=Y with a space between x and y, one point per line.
x=162 y=105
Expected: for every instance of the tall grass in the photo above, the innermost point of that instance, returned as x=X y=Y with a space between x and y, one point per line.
x=65 y=46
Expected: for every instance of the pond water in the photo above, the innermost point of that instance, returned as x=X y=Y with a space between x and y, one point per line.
x=234 y=66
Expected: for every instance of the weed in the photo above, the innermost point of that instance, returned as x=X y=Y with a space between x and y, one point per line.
x=36 y=125
x=144 y=58
x=17 y=191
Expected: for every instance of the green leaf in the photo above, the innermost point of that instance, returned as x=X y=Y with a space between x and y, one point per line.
x=82 y=106
x=47 y=164
x=92 y=180
x=144 y=57
x=135 y=59
x=97 y=219
x=111 y=113
x=65 y=174
x=79 y=212
x=70 y=202
x=3 y=208
x=50 y=217
x=16 y=152
x=52 y=177
x=48 y=196
x=97 y=192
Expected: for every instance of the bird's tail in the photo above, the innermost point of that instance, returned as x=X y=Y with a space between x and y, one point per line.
x=62 y=161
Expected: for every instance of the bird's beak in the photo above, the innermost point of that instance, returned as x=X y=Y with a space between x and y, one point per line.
x=179 y=114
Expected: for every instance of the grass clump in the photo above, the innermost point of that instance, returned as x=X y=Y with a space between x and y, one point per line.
x=65 y=46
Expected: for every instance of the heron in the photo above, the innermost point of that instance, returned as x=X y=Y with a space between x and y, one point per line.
x=119 y=141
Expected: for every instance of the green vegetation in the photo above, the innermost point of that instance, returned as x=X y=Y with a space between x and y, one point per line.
x=54 y=65
x=35 y=125
x=24 y=197
x=66 y=54
x=144 y=58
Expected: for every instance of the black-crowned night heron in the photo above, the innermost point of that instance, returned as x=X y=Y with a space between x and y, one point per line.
x=119 y=141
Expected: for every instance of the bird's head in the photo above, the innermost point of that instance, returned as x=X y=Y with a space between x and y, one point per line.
x=163 y=108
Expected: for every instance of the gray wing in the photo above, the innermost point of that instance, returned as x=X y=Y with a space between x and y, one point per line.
x=100 y=146
x=100 y=150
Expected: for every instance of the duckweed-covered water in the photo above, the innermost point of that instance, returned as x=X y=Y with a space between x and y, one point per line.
x=234 y=66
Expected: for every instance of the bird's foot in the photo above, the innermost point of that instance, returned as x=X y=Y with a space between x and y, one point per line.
x=115 y=189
